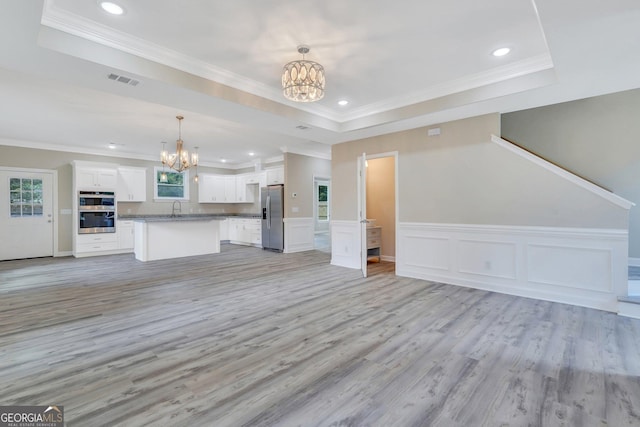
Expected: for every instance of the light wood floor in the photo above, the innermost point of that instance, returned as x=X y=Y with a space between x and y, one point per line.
x=255 y=338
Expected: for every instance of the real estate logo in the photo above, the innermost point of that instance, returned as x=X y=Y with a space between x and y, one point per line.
x=32 y=416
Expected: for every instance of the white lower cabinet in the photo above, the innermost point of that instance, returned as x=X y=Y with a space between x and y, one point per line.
x=87 y=243
x=245 y=231
x=124 y=230
x=224 y=230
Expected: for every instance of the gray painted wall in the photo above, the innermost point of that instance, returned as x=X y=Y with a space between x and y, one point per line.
x=597 y=138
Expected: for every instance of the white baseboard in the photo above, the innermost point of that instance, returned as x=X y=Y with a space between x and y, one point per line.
x=586 y=267
x=58 y=254
x=629 y=309
x=298 y=234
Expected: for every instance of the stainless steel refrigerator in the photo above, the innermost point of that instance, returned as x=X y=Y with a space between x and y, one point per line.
x=272 y=199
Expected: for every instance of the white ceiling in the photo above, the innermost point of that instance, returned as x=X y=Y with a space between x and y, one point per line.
x=400 y=65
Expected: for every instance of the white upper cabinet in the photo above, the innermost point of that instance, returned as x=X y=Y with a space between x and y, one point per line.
x=241 y=188
x=211 y=189
x=275 y=175
x=132 y=184
x=253 y=178
x=214 y=188
x=96 y=178
x=230 y=194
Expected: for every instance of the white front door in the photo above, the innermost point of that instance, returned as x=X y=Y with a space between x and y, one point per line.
x=26 y=214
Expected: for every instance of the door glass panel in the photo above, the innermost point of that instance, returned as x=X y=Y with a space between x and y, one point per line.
x=25 y=197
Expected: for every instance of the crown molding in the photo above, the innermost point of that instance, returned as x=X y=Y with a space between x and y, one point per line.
x=308 y=153
x=74 y=149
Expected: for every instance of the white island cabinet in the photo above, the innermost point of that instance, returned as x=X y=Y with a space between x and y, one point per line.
x=164 y=238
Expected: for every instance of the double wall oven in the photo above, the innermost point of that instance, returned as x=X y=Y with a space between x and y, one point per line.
x=96 y=212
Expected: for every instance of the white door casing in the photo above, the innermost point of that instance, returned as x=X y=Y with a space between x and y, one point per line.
x=362 y=211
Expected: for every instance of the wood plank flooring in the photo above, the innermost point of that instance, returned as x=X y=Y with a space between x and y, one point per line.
x=254 y=338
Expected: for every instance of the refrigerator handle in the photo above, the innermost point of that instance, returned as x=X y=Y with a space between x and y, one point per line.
x=264 y=213
x=268 y=208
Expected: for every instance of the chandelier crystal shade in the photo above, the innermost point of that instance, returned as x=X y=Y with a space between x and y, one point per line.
x=180 y=160
x=302 y=80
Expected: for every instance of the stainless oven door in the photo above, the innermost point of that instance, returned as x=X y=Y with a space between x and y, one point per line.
x=89 y=200
x=91 y=222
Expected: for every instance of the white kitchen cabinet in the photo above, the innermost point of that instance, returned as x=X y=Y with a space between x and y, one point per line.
x=247 y=188
x=241 y=188
x=94 y=178
x=233 y=229
x=87 y=243
x=230 y=194
x=124 y=230
x=211 y=188
x=253 y=178
x=224 y=230
x=132 y=184
x=254 y=231
x=245 y=231
x=275 y=175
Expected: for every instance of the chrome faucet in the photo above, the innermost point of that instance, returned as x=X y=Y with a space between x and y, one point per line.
x=173 y=208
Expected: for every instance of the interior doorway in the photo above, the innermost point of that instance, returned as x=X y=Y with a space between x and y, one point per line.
x=321 y=213
x=378 y=210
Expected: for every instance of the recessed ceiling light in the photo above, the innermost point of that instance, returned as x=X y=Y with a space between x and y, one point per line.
x=223 y=160
x=252 y=153
x=112 y=146
x=343 y=102
x=111 y=8
x=501 y=52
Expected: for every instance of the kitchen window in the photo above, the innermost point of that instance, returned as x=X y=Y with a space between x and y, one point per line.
x=176 y=186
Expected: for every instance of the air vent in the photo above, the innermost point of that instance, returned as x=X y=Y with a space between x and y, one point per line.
x=303 y=127
x=123 y=79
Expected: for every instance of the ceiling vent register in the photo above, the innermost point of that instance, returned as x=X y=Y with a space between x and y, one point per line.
x=123 y=79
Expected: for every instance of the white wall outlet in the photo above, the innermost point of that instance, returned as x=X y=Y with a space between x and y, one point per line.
x=295 y=209
x=433 y=132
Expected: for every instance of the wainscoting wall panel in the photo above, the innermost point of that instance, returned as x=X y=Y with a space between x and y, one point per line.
x=487 y=258
x=298 y=234
x=586 y=267
x=424 y=251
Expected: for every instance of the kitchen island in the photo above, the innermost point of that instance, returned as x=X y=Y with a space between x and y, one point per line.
x=176 y=236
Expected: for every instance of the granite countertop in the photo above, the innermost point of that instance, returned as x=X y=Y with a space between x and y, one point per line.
x=186 y=217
